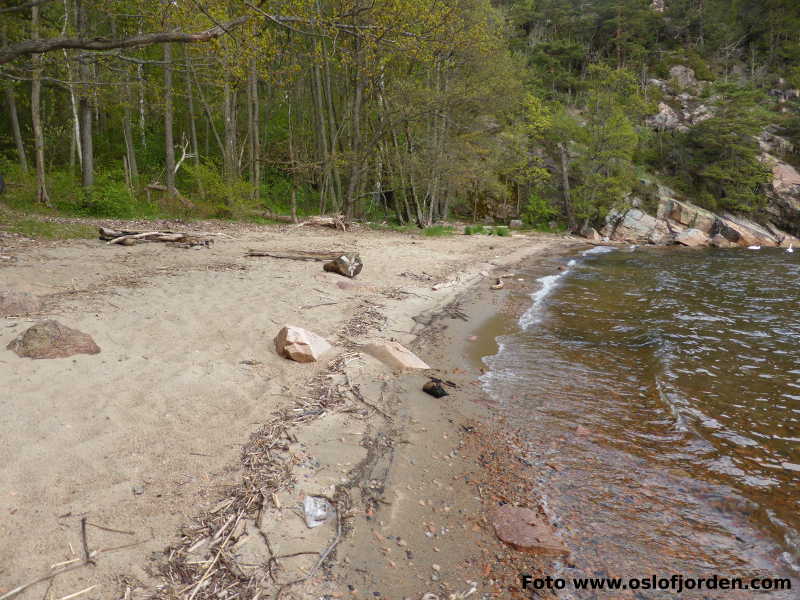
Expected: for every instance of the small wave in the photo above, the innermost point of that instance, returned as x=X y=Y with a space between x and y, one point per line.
x=598 y=250
x=532 y=316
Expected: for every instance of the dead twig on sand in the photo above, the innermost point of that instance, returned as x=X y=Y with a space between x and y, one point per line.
x=322 y=557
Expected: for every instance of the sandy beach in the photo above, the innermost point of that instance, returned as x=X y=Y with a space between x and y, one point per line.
x=140 y=440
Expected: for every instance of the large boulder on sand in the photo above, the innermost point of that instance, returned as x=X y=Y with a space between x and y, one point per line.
x=18 y=303
x=526 y=531
x=300 y=345
x=395 y=355
x=51 y=339
x=693 y=238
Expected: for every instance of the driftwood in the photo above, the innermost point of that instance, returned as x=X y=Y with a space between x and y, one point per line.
x=335 y=222
x=128 y=238
x=297 y=254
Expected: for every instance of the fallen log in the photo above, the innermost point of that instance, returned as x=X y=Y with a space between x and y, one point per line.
x=298 y=254
x=129 y=238
x=335 y=222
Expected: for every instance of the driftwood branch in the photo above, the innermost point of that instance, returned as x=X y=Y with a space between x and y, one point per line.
x=335 y=222
x=128 y=238
x=297 y=254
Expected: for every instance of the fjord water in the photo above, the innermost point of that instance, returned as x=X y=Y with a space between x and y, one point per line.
x=660 y=393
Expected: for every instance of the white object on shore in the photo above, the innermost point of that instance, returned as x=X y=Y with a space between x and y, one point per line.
x=317 y=511
x=790 y=250
x=395 y=355
x=754 y=247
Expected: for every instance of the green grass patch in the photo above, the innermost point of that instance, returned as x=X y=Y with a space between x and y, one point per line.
x=48 y=230
x=438 y=230
x=474 y=229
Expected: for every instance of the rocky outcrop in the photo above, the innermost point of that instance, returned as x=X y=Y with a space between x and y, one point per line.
x=743 y=232
x=686 y=214
x=51 y=339
x=13 y=303
x=395 y=356
x=636 y=226
x=680 y=222
x=680 y=107
x=783 y=207
x=300 y=345
x=693 y=238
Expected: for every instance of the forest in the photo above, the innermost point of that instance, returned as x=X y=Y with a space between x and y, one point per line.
x=395 y=111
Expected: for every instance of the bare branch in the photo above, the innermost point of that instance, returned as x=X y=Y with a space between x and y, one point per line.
x=41 y=46
x=25 y=6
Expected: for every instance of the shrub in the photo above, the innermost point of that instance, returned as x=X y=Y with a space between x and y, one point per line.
x=474 y=229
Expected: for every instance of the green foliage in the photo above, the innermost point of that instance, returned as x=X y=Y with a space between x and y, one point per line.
x=716 y=161
x=474 y=229
x=438 y=231
x=539 y=210
x=499 y=231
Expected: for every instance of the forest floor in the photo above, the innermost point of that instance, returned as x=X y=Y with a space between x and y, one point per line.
x=144 y=441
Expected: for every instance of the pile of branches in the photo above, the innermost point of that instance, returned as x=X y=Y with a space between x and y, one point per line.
x=129 y=238
x=267 y=471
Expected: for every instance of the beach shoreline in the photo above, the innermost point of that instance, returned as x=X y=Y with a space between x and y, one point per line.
x=127 y=476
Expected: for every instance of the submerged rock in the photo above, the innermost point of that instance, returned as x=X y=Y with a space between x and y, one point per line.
x=526 y=531
x=51 y=339
x=300 y=345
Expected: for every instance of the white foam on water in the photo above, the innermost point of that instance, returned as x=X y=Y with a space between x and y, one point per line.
x=532 y=315
x=598 y=250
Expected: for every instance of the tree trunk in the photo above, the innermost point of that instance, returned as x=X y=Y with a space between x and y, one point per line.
x=253 y=124
x=85 y=105
x=355 y=167
x=127 y=134
x=36 y=114
x=229 y=117
x=570 y=214
x=323 y=135
x=12 y=113
x=169 y=141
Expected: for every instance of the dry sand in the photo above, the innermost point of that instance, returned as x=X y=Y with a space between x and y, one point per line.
x=147 y=434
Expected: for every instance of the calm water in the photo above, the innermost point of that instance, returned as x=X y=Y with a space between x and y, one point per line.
x=661 y=392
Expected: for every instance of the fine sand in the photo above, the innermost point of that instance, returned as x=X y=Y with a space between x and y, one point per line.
x=144 y=436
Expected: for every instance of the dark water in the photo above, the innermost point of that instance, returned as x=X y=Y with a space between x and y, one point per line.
x=661 y=392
